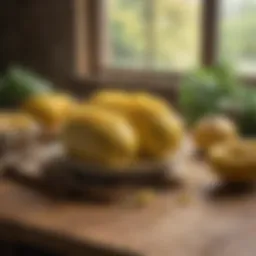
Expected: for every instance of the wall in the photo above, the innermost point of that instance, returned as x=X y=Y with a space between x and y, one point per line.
x=38 y=34
x=9 y=33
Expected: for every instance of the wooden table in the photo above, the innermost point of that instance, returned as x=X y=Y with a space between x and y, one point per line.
x=180 y=222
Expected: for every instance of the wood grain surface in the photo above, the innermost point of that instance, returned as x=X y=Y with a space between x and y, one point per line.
x=189 y=220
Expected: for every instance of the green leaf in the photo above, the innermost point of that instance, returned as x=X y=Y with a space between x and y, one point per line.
x=202 y=91
x=18 y=84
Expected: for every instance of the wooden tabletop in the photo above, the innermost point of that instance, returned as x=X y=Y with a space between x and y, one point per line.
x=180 y=222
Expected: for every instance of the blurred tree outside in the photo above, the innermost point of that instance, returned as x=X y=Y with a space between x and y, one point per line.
x=238 y=33
x=127 y=30
x=177 y=34
x=169 y=33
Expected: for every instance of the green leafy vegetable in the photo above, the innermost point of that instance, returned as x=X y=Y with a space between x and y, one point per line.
x=18 y=84
x=203 y=91
x=246 y=117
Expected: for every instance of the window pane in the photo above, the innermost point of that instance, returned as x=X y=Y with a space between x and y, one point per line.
x=238 y=33
x=153 y=34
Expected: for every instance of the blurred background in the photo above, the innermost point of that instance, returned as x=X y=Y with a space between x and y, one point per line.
x=166 y=35
x=102 y=41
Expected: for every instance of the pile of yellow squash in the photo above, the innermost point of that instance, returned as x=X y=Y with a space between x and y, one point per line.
x=117 y=128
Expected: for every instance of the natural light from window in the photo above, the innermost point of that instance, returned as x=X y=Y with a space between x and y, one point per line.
x=238 y=34
x=153 y=34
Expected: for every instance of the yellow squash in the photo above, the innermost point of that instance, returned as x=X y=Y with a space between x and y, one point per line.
x=153 y=101
x=16 y=121
x=51 y=110
x=159 y=127
x=234 y=160
x=96 y=135
x=213 y=129
x=115 y=100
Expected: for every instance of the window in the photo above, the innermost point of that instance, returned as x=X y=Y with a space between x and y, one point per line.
x=153 y=34
x=133 y=39
x=238 y=33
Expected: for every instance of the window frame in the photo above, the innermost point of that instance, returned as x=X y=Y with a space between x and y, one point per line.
x=95 y=52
